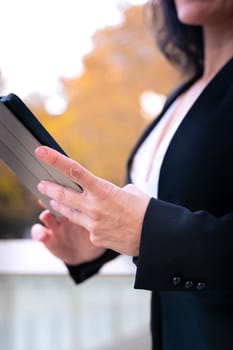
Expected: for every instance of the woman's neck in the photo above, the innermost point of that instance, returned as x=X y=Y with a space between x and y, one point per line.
x=218 y=49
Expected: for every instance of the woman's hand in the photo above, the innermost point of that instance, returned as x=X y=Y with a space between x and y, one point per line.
x=67 y=241
x=112 y=215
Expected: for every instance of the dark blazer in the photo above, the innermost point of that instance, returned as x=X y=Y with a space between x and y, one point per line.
x=186 y=250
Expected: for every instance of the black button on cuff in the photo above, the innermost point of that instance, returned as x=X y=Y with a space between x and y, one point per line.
x=176 y=281
x=188 y=284
x=201 y=285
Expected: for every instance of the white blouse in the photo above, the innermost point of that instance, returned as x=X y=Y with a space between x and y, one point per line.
x=148 y=159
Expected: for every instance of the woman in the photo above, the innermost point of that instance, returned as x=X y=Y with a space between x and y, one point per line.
x=176 y=219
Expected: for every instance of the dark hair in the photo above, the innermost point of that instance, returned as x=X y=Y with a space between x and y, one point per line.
x=181 y=44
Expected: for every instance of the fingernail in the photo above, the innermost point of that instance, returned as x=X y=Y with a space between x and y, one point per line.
x=41 y=152
x=53 y=204
x=36 y=234
x=41 y=187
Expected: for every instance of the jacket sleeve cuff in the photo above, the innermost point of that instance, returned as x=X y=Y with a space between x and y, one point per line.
x=80 y=273
x=180 y=250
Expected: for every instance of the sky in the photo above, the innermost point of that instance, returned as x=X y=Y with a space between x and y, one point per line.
x=43 y=40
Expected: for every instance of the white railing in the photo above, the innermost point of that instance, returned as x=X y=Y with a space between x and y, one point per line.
x=25 y=256
x=41 y=308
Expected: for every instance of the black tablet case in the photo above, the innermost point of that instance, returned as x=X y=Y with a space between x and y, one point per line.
x=20 y=134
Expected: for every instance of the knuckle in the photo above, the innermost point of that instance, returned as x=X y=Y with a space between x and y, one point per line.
x=71 y=215
x=76 y=171
x=61 y=195
x=108 y=190
x=54 y=160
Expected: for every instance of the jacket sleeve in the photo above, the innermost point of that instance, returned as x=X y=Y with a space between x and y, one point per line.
x=81 y=272
x=184 y=250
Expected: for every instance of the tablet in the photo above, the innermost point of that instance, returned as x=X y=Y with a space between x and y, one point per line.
x=20 y=134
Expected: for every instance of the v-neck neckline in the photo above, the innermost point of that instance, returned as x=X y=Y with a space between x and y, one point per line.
x=216 y=79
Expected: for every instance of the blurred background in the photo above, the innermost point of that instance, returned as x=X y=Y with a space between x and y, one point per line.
x=90 y=71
